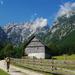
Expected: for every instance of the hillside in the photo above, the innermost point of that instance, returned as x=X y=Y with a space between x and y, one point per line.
x=59 y=37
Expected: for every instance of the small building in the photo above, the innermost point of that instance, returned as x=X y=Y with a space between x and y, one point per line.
x=35 y=48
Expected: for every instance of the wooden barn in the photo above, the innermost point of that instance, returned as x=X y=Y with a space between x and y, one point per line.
x=35 y=48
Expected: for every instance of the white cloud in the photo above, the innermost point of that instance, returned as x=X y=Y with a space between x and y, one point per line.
x=73 y=4
x=67 y=8
x=35 y=26
x=38 y=23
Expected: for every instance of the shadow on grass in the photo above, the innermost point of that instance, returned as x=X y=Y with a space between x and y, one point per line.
x=56 y=74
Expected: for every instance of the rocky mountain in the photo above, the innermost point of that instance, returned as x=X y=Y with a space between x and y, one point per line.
x=60 y=37
x=63 y=28
x=62 y=31
x=18 y=33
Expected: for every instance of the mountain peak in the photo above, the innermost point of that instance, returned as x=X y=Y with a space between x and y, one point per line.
x=17 y=33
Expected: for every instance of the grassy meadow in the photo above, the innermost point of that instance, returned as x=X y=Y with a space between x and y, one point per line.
x=45 y=65
x=3 y=73
x=65 y=57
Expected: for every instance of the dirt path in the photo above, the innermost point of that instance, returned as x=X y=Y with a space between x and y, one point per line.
x=17 y=71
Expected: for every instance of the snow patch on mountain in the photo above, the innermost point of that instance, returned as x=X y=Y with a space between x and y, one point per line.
x=38 y=23
x=20 y=32
x=66 y=9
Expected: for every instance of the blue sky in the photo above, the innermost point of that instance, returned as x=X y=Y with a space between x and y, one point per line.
x=25 y=10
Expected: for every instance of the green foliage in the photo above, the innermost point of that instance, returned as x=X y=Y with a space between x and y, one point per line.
x=2 y=45
x=8 y=50
x=2 y=54
x=62 y=41
x=3 y=73
x=67 y=43
x=17 y=52
x=65 y=57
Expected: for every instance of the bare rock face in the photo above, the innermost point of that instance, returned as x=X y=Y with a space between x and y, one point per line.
x=18 y=33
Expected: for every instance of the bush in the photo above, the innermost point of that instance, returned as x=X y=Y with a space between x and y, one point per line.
x=8 y=50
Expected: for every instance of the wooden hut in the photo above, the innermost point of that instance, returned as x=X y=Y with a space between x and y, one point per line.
x=35 y=48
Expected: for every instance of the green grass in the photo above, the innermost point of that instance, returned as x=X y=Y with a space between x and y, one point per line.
x=44 y=66
x=65 y=57
x=32 y=69
x=3 y=73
